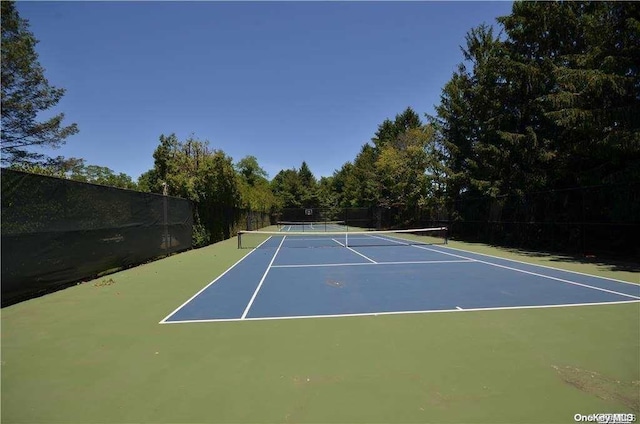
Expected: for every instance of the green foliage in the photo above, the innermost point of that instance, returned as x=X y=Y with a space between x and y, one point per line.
x=250 y=170
x=191 y=170
x=554 y=103
x=201 y=236
x=363 y=184
x=296 y=188
x=148 y=180
x=403 y=169
x=255 y=191
x=389 y=131
x=25 y=93
x=76 y=169
x=402 y=166
x=102 y=175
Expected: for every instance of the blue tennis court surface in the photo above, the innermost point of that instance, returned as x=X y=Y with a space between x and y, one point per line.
x=278 y=281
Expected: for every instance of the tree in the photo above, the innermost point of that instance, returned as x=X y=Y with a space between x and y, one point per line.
x=390 y=130
x=102 y=175
x=594 y=103
x=77 y=170
x=287 y=188
x=403 y=171
x=148 y=181
x=306 y=176
x=296 y=188
x=191 y=170
x=255 y=192
x=218 y=194
x=309 y=195
x=488 y=122
x=342 y=186
x=453 y=131
x=364 y=183
x=249 y=168
x=327 y=196
x=550 y=104
x=25 y=93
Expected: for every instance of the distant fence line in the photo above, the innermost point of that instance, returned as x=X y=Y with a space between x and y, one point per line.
x=599 y=220
x=603 y=219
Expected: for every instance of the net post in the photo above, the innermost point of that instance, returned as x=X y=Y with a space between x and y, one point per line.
x=239 y=237
x=446 y=235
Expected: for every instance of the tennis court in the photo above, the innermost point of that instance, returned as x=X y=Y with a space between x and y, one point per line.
x=302 y=271
x=106 y=359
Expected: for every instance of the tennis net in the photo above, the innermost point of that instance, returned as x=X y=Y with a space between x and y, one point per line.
x=275 y=239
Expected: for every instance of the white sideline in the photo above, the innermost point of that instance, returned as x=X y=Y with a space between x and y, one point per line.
x=542 y=266
x=255 y=293
x=531 y=273
x=207 y=286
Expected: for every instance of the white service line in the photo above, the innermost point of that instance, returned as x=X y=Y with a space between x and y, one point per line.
x=356 y=252
x=217 y=278
x=255 y=293
x=338 y=242
x=532 y=273
x=369 y=264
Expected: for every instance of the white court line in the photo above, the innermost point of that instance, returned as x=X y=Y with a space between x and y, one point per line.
x=255 y=293
x=520 y=270
x=531 y=273
x=310 y=238
x=542 y=266
x=369 y=264
x=459 y=308
x=217 y=278
x=500 y=308
x=356 y=252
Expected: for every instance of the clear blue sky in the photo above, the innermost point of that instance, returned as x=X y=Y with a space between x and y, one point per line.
x=283 y=81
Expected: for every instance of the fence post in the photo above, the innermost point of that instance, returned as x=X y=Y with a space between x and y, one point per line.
x=165 y=220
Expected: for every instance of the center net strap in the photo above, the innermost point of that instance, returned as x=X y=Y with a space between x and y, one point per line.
x=409 y=237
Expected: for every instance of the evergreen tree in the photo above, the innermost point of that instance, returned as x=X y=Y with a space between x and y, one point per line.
x=25 y=93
